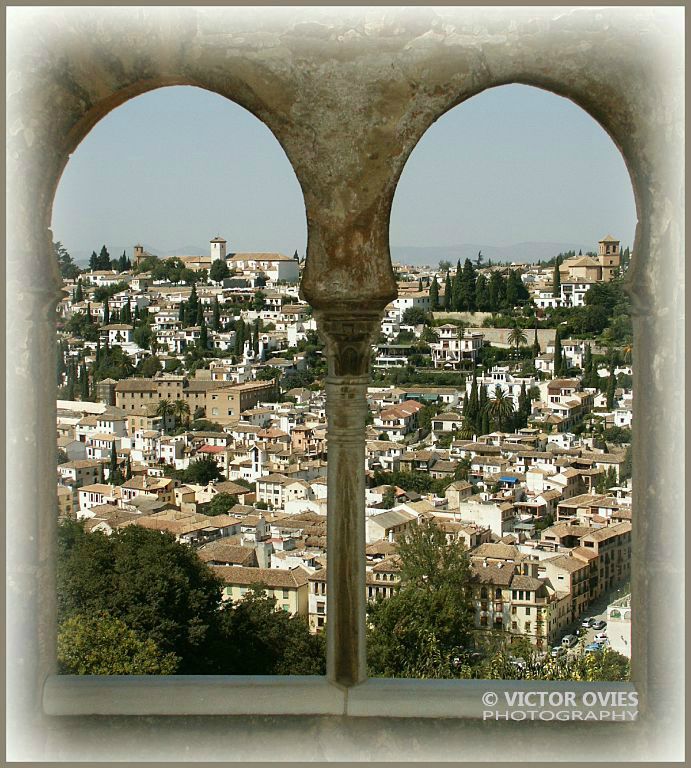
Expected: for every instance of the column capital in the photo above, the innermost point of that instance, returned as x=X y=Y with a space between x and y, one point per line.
x=348 y=337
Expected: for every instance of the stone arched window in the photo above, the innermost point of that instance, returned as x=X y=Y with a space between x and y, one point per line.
x=347 y=93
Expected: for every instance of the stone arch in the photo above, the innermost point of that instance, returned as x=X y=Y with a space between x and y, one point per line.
x=97 y=112
x=608 y=121
x=348 y=93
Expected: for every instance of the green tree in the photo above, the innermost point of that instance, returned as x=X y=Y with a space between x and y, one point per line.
x=203 y=335
x=456 y=288
x=556 y=278
x=559 y=369
x=611 y=388
x=160 y=589
x=266 y=641
x=219 y=271
x=389 y=498
x=259 y=301
x=239 y=336
x=481 y=293
x=216 y=317
x=466 y=296
x=68 y=269
x=448 y=293
x=221 y=503
x=496 y=291
x=181 y=411
x=83 y=383
x=101 y=644
x=104 y=259
x=164 y=409
x=202 y=471
x=114 y=474
x=434 y=295
x=414 y=316
x=417 y=631
x=192 y=306
x=143 y=336
x=517 y=337
x=500 y=407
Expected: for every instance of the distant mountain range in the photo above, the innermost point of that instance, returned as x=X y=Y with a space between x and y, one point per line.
x=523 y=253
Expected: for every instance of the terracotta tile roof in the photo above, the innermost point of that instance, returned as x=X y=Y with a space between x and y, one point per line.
x=271 y=577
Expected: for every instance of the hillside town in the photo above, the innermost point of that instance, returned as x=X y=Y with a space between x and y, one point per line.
x=191 y=400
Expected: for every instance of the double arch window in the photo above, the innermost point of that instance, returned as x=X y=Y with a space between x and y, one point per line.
x=348 y=121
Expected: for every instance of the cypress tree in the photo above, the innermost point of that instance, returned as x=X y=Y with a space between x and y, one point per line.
x=556 y=278
x=89 y=319
x=536 y=345
x=127 y=312
x=434 y=295
x=558 y=357
x=203 y=334
x=83 y=382
x=239 y=336
x=182 y=312
x=104 y=259
x=216 y=319
x=93 y=261
x=473 y=401
x=255 y=337
x=456 y=288
x=448 y=294
x=587 y=366
x=79 y=292
x=192 y=305
x=611 y=388
x=113 y=467
x=466 y=295
x=106 y=313
x=483 y=401
x=485 y=428
x=481 y=293
x=60 y=367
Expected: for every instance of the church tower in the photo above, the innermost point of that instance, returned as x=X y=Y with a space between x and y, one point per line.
x=218 y=249
x=609 y=256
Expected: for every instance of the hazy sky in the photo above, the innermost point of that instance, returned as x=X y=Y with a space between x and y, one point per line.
x=179 y=165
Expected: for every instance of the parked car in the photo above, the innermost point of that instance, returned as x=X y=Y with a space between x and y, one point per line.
x=599 y=624
x=568 y=641
x=593 y=647
x=601 y=637
x=586 y=622
x=558 y=651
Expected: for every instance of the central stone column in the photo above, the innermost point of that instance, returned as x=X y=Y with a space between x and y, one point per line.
x=348 y=337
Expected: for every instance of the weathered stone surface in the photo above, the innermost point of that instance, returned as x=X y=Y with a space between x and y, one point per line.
x=348 y=93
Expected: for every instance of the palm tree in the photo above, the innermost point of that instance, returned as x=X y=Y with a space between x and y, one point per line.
x=500 y=407
x=164 y=409
x=181 y=411
x=517 y=337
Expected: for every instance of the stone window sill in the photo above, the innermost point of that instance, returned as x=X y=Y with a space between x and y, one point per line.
x=69 y=695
